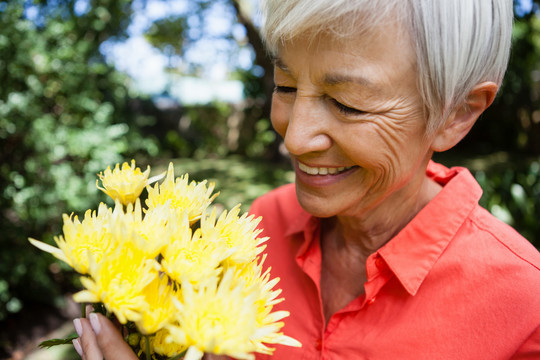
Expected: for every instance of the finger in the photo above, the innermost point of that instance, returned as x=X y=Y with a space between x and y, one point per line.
x=87 y=342
x=214 y=357
x=109 y=339
x=77 y=346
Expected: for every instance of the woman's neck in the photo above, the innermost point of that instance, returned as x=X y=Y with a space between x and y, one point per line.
x=347 y=242
x=368 y=232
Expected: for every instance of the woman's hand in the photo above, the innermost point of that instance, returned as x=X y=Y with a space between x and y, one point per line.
x=99 y=339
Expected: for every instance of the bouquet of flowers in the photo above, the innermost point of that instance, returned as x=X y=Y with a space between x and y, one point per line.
x=181 y=280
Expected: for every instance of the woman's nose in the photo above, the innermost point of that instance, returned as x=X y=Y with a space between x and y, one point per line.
x=307 y=129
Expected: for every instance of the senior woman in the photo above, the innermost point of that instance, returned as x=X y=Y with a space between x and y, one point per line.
x=382 y=253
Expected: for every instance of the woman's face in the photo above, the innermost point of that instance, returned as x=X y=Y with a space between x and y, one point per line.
x=352 y=119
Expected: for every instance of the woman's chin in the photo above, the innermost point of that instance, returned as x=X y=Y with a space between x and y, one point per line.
x=316 y=206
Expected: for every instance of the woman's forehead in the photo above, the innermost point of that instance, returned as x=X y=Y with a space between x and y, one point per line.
x=334 y=77
x=377 y=48
x=388 y=35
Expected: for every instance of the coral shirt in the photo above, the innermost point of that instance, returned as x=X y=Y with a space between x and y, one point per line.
x=455 y=283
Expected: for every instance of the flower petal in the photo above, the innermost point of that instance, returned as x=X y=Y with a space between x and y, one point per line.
x=193 y=354
x=56 y=252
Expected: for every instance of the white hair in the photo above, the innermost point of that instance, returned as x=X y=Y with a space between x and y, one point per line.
x=459 y=43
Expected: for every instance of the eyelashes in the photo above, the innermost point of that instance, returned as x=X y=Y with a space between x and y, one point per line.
x=344 y=109
x=284 y=89
x=347 y=110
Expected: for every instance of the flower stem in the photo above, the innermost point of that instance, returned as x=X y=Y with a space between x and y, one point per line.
x=147 y=347
x=83 y=310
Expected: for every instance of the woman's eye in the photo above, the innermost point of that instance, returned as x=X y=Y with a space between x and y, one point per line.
x=346 y=109
x=285 y=89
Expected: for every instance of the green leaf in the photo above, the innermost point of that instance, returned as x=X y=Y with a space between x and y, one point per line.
x=53 y=342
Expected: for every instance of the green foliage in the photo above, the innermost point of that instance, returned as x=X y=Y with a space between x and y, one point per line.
x=201 y=131
x=55 y=342
x=216 y=130
x=167 y=35
x=512 y=193
x=241 y=129
x=63 y=117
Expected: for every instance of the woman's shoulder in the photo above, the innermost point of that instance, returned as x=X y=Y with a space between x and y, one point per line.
x=510 y=243
x=282 y=198
x=279 y=207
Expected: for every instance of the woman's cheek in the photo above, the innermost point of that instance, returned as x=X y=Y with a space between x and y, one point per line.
x=279 y=114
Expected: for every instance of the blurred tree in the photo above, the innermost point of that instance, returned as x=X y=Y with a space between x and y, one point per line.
x=64 y=116
x=166 y=35
x=247 y=125
x=521 y=93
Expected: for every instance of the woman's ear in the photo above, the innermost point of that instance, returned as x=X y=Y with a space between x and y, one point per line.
x=461 y=120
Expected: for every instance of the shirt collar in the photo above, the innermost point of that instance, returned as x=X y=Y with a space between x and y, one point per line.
x=411 y=254
x=303 y=223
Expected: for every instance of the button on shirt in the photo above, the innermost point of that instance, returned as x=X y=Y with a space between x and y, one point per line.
x=455 y=283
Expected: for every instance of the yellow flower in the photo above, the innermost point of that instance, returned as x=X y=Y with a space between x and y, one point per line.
x=188 y=257
x=160 y=344
x=239 y=234
x=219 y=318
x=181 y=194
x=151 y=228
x=126 y=184
x=268 y=322
x=92 y=236
x=119 y=279
x=158 y=295
x=253 y=277
x=81 y=239
x=195 y=290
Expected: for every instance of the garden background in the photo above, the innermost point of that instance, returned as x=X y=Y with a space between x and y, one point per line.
x=68 y=110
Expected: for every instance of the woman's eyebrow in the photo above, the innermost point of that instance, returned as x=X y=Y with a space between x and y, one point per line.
x=340 y=79
x=333 y=79
x=281 y=65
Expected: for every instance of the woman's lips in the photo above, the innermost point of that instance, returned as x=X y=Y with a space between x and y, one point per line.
x=318 y=177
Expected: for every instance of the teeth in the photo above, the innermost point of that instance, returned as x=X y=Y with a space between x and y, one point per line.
x=322 y=170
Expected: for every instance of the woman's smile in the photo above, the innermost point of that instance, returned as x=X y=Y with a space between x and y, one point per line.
x=320 y=177
x=322 y=170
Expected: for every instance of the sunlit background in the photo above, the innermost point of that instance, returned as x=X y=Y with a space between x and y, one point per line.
x=88 y=83
x=156 y=69
x=214 y=55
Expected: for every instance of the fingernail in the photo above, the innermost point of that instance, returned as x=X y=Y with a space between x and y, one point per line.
x=77 y=346
x=78 y=326
x=94 y=321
